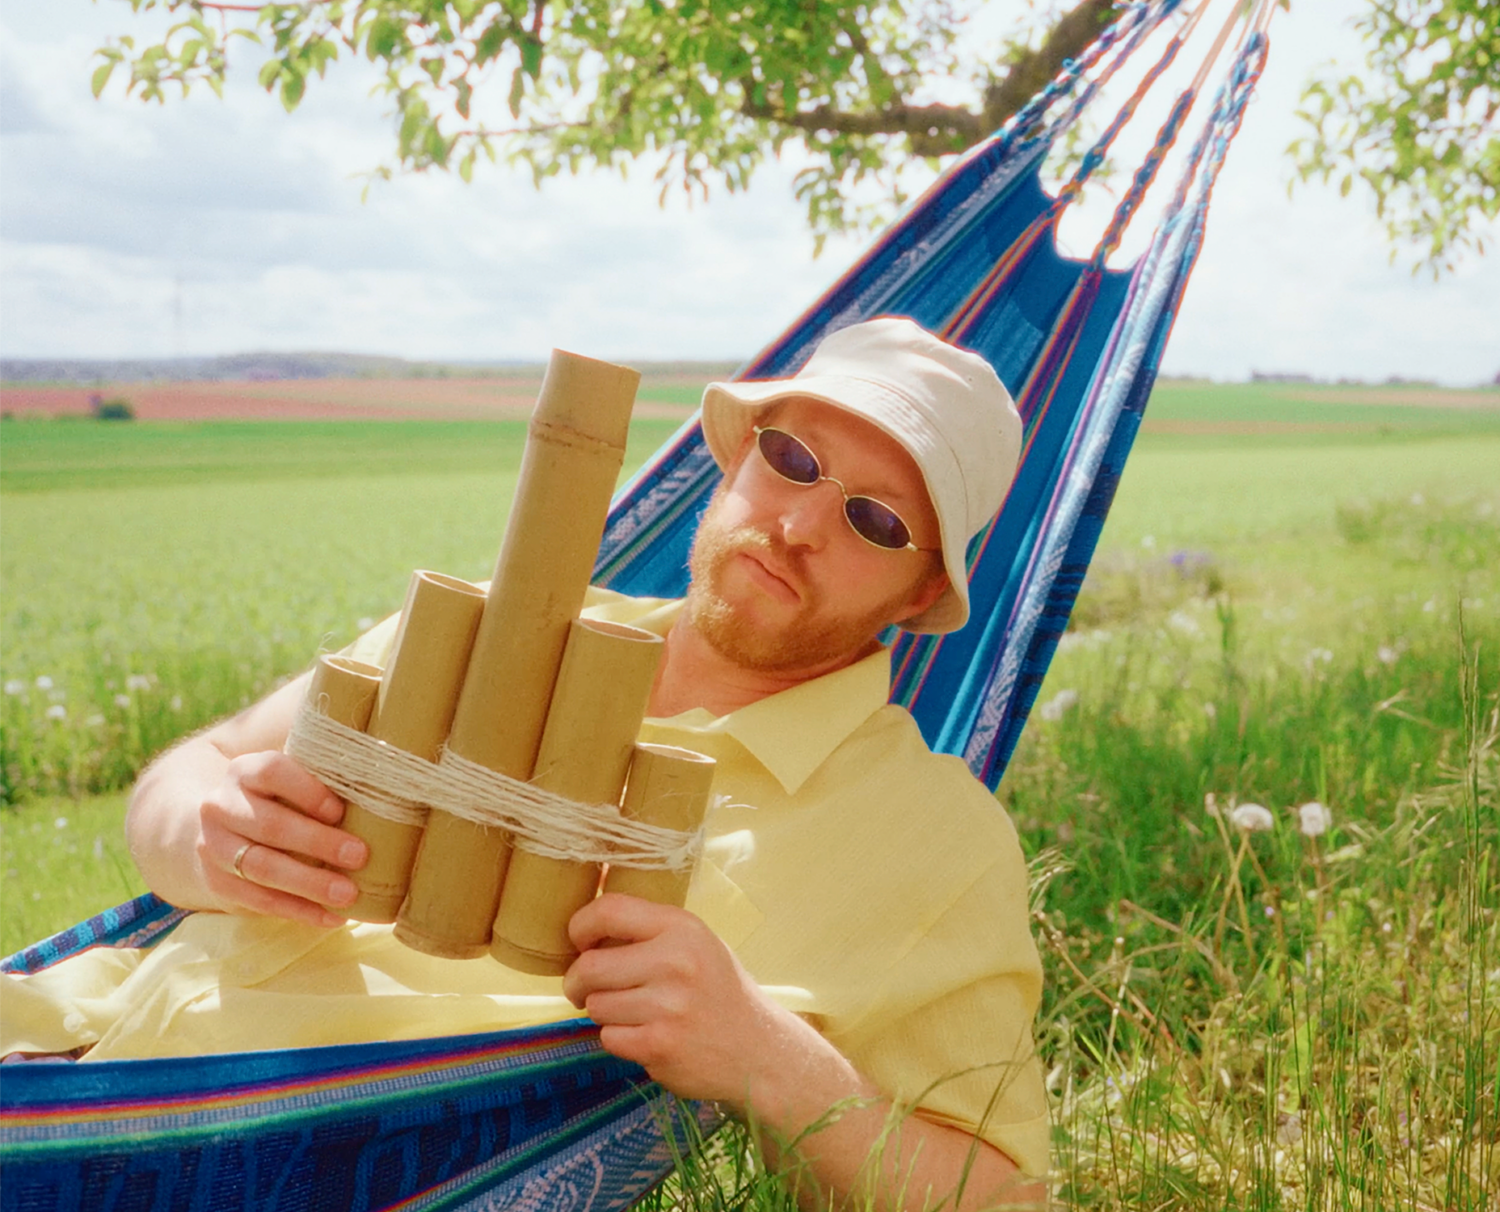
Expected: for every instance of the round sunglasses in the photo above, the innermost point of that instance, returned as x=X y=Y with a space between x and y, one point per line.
x=873 y=521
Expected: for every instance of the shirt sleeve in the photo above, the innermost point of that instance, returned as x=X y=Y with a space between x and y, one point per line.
x=965 y=1057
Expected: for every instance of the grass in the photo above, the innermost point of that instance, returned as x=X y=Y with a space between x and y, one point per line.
x=1232 y=1019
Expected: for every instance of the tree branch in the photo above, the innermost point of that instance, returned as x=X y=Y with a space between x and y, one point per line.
x=1033 y=70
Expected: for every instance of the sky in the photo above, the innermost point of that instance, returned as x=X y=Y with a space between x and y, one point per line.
x=209 y=227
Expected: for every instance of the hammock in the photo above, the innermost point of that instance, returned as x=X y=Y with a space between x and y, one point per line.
x=544 y=1118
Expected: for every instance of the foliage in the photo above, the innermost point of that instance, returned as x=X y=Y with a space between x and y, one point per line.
x=707 y=88
x=1418 y=131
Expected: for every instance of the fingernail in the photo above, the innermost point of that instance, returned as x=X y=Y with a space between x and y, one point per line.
x=352 y=854
x=333 y=919
x=341 y=892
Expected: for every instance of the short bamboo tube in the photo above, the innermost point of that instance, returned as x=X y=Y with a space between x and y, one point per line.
x=575 y=447
x=414 y=709
x=668 y=787
x=597 y=707
x=344 y=690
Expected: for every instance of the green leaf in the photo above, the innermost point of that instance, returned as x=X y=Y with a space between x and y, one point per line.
x=531 y=57
x=102 y=74
x=517 y=86
x=269 y=70
x=489 y=43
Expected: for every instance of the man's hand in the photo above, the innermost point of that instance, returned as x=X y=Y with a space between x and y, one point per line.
x=669 y=995
x=227 y=821
x=260 y=825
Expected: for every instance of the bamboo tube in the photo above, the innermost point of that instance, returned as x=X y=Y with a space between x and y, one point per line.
x=669 y=787
x=597 y=707
x=574 y=449
x=344 y=690
x=418 y=695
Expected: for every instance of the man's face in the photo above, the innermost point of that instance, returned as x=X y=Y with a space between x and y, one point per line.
x=781 y=583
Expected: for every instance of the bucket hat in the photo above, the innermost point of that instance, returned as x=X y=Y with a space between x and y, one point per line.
x=945 y=405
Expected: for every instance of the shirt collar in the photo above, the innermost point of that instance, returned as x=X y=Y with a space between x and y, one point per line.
x=791 y=733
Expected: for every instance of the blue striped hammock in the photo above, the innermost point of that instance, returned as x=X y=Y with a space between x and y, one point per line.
x=544 y=1118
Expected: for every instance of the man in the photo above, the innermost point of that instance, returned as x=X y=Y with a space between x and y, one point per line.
x=857 y=931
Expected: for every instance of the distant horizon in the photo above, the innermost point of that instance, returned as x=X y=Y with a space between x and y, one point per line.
x=22 y=369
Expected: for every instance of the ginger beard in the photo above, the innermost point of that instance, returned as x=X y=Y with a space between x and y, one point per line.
x=810 y=639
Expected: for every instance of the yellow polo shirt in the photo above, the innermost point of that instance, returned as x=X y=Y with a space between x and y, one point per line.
x=864 y=881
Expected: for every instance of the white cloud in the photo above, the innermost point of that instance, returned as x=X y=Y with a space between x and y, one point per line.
x=212 y=227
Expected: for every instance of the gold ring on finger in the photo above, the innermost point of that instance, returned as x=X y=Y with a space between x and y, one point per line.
x=239 y=861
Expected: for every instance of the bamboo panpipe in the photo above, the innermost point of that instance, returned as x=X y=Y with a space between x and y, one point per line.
x=669 y=787
x=418 y=696
x=597 y=707
x=574 y=450
x=343 y=690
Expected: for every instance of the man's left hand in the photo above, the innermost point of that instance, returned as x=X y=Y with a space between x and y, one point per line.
x=669 y=995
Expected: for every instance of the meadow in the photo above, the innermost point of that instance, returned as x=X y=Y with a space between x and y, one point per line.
x=1250 y=1003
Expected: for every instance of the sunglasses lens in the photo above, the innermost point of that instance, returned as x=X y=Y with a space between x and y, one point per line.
x=876 y=523
x=788 y=458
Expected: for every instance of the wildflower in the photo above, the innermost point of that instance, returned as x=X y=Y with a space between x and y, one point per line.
x=60 y=823
x=1386 y=655
x=1429 y=605
x=1252 y=818
x=1059 y=703
x=364 y=624
x=1181 y=620
x=44 y=682
x=1314 y=819
x=1210 y=711
x=57 y=712
x=1270 y=910
x=1314 y=655
x=138 y=682
x=1148 y=541
x=122 y=700
x=15 y=687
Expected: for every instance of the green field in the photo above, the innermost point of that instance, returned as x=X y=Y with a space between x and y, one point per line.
x=1290 y=602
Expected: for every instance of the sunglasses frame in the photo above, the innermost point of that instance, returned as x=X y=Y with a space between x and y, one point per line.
x=839 y=484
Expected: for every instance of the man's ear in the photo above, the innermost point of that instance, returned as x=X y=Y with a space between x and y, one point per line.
x=927 y=591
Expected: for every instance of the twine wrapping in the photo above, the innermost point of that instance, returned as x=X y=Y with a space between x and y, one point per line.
x=400 y=786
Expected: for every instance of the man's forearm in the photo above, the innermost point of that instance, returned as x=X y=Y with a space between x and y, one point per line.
x=839 y=1144
x=163 y=829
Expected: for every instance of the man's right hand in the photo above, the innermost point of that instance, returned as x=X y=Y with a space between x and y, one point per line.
x=260 y=826
x=227 y=821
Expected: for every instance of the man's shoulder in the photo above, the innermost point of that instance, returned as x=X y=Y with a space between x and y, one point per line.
x=888 y=751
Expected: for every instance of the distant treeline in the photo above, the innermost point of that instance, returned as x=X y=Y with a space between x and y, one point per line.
x=275 y=366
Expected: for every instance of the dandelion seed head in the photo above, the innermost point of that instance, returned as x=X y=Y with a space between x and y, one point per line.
x=176 y=703
x=44 y=682
x=1148 y=541
x=1385 y=927
x=1314 y=819
x=1210 y=711
x=1386 y=655
x=60 y=823
x=15 y=687
x=57 y=712
x=122 y=700
x=1252 y=818
x=138 y=682
x=1055 y=707
x=1270 y=910
x=364 y=624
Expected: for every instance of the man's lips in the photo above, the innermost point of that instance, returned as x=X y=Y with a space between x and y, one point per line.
x=779 y=582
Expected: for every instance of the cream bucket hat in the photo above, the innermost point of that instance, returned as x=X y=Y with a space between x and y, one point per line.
x=945 y=405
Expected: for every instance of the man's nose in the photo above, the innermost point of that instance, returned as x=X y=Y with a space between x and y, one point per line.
x=809 y=516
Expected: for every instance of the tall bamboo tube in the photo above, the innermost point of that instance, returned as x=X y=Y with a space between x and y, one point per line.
x=669 y=787
x=574 y=449
x=418 y=696
x=597 y=706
